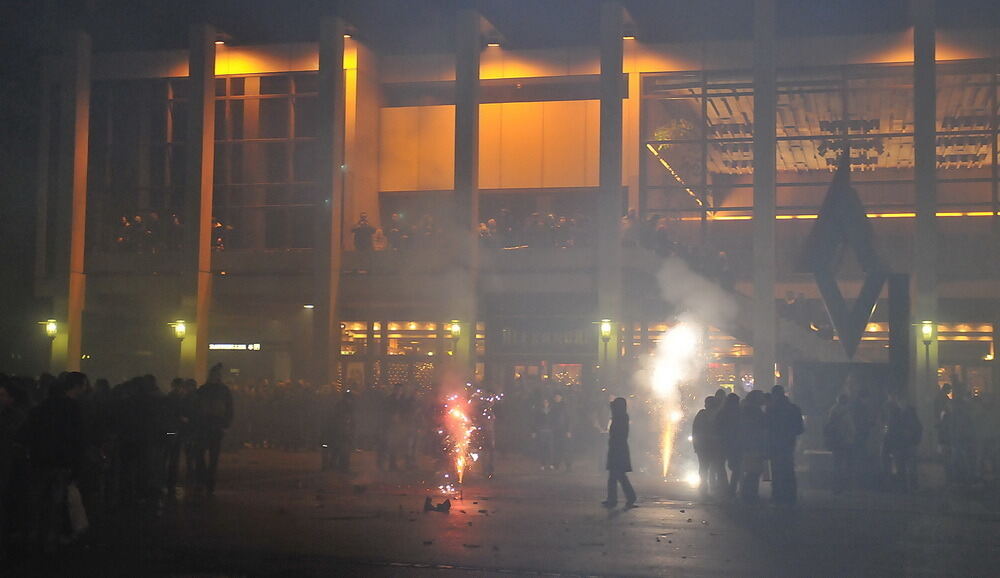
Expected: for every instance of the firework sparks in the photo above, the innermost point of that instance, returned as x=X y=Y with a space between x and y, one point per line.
x=677 y=359
x=457 y=432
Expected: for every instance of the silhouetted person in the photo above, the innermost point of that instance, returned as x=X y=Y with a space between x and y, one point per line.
x=338 y=435
x=181 y=414
x=12 y=417
x=784 y=420
x=619 y=459
x=839 y=438
x=544 y=434
x=363 y=233
x=215 y=409
x=753 y=433
x=54 y=433
x=903 y=432
x=706 y=442
x=561 y=433
x=727 y=423
x=957 y=436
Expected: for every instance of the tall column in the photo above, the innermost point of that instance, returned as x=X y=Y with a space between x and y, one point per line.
x=925 y=182
x=330 y=223
x=467 y=48
x=765 y=330
x=609 y=206
x=69 y=278
x=197 y=283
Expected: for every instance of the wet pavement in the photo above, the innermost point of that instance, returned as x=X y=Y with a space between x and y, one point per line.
x=276 y=515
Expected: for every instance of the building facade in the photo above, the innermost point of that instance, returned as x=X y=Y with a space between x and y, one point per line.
x=521 y=197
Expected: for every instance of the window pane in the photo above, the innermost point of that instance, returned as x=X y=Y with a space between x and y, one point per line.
x=274 y=85
x=274 y=118
x=306 y=116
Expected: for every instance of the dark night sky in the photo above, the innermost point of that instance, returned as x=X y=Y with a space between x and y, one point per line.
x=28 y=28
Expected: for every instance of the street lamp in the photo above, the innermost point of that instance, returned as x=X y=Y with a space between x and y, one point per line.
x=927 y=336
x=180 y=329
x=455 y=332
x=605 y=336
x=51 y=328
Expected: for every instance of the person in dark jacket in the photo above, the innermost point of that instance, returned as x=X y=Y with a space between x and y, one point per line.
x=215 y=412
x=784 y=423
x=12 y=417
x=619 y=459
x=727 y=423
x=705 y=439
x=181 y=416
x=753 y=444
x=903 y=432
x=54 y=435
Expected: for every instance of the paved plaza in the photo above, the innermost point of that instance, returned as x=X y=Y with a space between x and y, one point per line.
x=275 y=514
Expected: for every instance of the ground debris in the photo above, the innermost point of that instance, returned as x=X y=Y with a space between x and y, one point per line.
x=428 y=542
x=471 y=545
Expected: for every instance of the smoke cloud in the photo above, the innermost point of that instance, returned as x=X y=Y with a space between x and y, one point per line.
x=681 y=355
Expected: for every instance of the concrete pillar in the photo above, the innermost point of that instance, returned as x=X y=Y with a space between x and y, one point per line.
x=330 y=199
x=609 y=206
x=70 y=203
x=925 y=181
x=468 y=44
x=197 y=283
x=764 y=109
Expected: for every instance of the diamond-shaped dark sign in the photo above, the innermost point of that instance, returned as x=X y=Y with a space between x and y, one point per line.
x=843 y=223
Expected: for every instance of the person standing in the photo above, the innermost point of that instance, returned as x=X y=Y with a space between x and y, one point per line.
x=706 y=446
x=562 y=433
x=619 y=459
x=215 y=409
x=180 y=412
x=364 y=244
x=784 y=420
x=727 y=423
x=839 y=438
x=12 y=417
x=903 y=432
x=544 y=434
x=753 y=433
x=55 y=437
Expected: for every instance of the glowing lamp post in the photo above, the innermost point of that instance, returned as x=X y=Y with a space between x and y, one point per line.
x=605 y=336
x=927 y=334
x=180 y=329
x=455 y=332
x=51 y=328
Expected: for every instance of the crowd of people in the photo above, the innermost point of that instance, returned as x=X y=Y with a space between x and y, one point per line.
x=66 y=445
x=737 y=439
x=71 y=451
x=537 y=230
x=148 y=233
x=967 y=434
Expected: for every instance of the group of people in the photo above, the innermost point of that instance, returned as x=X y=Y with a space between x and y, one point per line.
x=873 y=440
x=148 y=233
x=70 y=451
x=967 y=433
x=398 y=235
x=537 y=230
x=736 y=440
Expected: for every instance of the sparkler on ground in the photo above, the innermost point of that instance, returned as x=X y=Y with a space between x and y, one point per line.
x=456 y=437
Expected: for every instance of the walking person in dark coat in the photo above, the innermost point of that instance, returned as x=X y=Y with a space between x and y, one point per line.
x=619 y=460
x=215 y=404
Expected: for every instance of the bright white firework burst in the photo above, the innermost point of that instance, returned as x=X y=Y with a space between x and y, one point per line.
x=678 y=359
